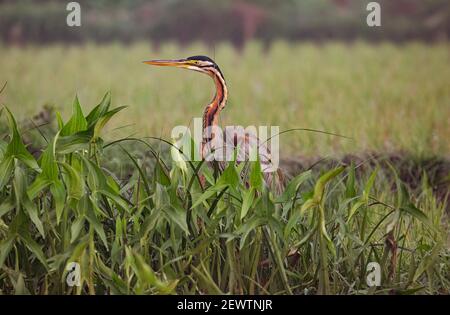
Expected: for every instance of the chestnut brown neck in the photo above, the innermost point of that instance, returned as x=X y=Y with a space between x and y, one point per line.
x=213 y=109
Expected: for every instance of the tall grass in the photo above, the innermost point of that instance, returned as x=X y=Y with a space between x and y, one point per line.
x=386 y=97
x=184 y=228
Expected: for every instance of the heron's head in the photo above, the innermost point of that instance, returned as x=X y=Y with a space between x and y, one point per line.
x=197 y=63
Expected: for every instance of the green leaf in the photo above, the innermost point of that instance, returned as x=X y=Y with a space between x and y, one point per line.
x=307 y=205
x=3 y=146
x=355 y=208
x=6 y=169
x=103 y=120
x=291 y=223
x=7 y=205
x=23 y=200
x=249 y=196
x=323 y=180
x=178 y=216
x=369 y=185
x=311 y=232
x=34 y=248
x=74 y=182
x=428 y=261
x=76 y=227
x=34 y=216
x=229 y=177
x=49 y=165
x=20 y=287
x=117 y=199
x=16 y=148
x=59 y=196
x=76 y=142
x=60 y=121
x=208 y=194
x=77 y=122
x=5 y=248
x=85 y=204
x=395 y=217
x=161 y=176
x=416 y=213
x=99 y=110
x=256 y=179
x=249 y=227
x=324 y=232
x=292 y=187
x=39 y=184
x=145 y=275
x=96 y=178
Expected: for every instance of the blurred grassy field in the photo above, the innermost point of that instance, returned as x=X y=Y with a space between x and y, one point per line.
x=386 y=97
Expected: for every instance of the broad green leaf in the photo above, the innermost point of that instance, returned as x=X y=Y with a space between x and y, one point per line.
x=34 y=216
x=161 y=176
x=256 y=180
x=99 y=110
x=77 y=122
x=85 y=203
x=330 y=244
x=249 y=196
x=60 y=121
x=416 y=213
x=75 y=186
x=39 y=184
x=208 y=194
x=23 y=201
x=5 y=248
x=391 y=225
x=147 y=276
x=292 y=187
x=229 y=177
x=3 y=146
x=293 y=220
x=355 y=208
x=248 y=227
x=307 y=205
x=117 y=199
x=311 y=232
x=49 y=165
x=75 y=228
x=178 y=159
x=20 y=287
x=6 y=169
x=177 y=216
x=16 y=148
x=369 y=185
x=428 y=261
x=7 y=205
x=75 y=142
x=103 y=120
x=59 y=196
x=323 y=180
x=34 y=248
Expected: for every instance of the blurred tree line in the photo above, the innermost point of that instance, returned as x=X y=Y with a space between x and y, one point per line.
x=44 y=21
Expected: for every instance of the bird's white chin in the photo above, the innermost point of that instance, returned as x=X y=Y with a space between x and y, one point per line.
x=196 y=69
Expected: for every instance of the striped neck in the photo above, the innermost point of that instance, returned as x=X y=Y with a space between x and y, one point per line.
x=212 y=110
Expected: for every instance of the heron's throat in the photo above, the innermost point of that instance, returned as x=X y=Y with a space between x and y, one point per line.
x=212 y=110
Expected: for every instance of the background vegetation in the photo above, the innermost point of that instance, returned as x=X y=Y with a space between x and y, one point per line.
x=236 y=21
x=386 y=97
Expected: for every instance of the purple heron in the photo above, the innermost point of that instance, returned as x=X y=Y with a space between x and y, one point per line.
x=243 y=142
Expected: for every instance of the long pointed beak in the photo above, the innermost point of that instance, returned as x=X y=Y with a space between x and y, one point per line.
x=181 y=63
